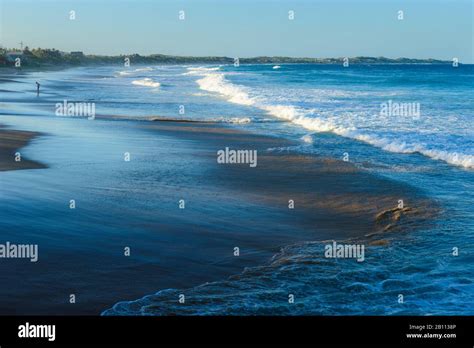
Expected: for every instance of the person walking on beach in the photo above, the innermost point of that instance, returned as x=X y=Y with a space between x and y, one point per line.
x=37 y=89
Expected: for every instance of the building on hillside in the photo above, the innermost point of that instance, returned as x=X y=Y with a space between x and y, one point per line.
x=77 y=54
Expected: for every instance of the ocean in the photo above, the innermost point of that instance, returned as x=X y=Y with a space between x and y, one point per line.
x=409 y=123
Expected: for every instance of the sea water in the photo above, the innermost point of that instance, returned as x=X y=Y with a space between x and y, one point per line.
x=327 y=110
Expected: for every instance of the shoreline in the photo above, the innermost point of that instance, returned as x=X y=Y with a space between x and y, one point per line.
x=340 y=187
x=11 y=142
x=227 y=205
x=332 y=202
x=219 y=135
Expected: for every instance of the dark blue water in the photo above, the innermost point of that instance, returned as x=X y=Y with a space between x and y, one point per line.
x=329 y=110
x=412 y=148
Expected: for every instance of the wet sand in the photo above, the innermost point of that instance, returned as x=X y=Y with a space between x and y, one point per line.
x=328 y=194
x=11 y=142
x=227 y=205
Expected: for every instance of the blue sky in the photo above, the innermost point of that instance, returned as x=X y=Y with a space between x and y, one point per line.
x=431 y=28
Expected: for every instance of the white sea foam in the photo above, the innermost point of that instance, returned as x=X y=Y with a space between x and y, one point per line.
x=237 y=120
x=214 y=81
x=385 y=143
x=131 y=72
x=308 y=138
x=144 y=69
x=200 y=70
x=454 y=158
x=146 y=82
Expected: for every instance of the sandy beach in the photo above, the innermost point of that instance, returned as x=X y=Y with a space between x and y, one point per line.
x=228 y=167
x=227 y=206
x=327 y=192
x=11 y=141
x=182 y=213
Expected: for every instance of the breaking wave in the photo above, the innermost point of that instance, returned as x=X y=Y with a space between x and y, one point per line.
x=388 y=270
x=146 y=82
x=131 y=72
x=214 y=81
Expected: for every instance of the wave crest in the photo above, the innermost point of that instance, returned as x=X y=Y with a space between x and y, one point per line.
x=146 y=82
x=214 y=81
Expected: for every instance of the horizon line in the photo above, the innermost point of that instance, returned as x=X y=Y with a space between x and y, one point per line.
x=7 y=49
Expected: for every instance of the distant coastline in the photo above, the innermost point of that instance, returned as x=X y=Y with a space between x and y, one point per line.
x=40 y=57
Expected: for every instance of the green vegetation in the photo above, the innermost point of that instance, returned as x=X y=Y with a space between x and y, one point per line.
x=40 y=57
